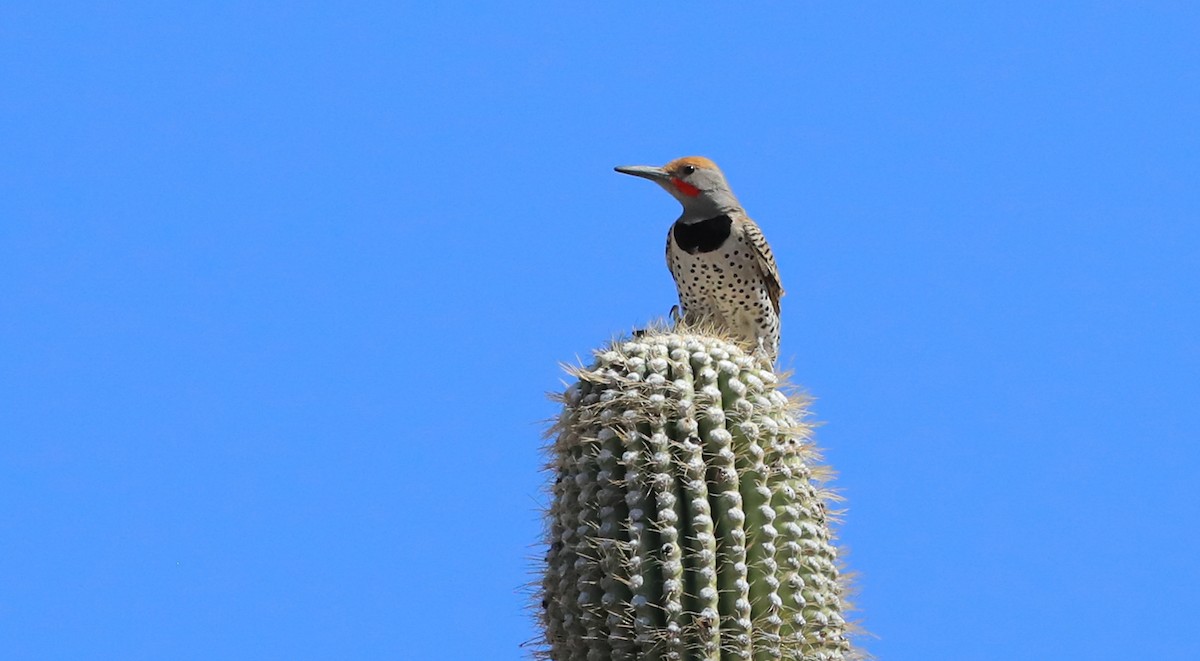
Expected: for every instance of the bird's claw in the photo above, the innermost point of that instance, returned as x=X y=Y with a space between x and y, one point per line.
x=676 y=315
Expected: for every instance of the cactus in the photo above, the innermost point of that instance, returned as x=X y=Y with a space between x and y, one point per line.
x=687 y=517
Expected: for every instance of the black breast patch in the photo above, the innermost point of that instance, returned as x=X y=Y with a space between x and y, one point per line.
x=704 y=236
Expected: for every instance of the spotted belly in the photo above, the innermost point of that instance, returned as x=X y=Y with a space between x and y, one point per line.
x=724 y=287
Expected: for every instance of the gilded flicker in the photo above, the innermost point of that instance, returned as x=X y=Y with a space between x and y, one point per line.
x=722 y=265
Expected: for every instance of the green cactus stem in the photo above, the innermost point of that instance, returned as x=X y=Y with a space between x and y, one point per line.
x=688 y=519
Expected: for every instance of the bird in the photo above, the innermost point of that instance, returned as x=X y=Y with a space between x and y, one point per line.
x=722 y=264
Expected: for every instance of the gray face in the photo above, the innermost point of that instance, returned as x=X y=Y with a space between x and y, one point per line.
x=714 y=198
x=698 y=185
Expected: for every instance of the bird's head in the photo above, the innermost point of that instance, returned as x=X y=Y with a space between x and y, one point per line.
x=695 y=181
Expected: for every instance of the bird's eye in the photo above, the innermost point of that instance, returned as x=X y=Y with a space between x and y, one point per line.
x=689 y=169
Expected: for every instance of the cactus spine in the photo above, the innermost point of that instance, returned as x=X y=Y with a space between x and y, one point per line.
x=687 y=520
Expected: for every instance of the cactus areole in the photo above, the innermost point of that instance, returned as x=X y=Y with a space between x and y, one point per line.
x=687 y=519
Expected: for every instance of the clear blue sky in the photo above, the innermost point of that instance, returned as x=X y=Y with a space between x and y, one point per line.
x=283 y=286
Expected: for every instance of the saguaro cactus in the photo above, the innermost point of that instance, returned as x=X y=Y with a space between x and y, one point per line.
x=687 y=517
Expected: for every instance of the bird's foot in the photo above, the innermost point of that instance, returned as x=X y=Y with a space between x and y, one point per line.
x=765 y=353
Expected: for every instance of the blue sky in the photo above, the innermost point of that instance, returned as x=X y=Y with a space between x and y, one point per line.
x=284 y=285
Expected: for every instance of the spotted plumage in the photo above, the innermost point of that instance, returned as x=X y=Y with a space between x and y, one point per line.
x=723 y=268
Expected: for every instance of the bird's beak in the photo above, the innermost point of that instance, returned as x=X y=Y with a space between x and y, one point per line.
x=646 y=172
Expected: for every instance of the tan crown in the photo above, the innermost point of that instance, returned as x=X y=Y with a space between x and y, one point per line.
x=694 y=161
